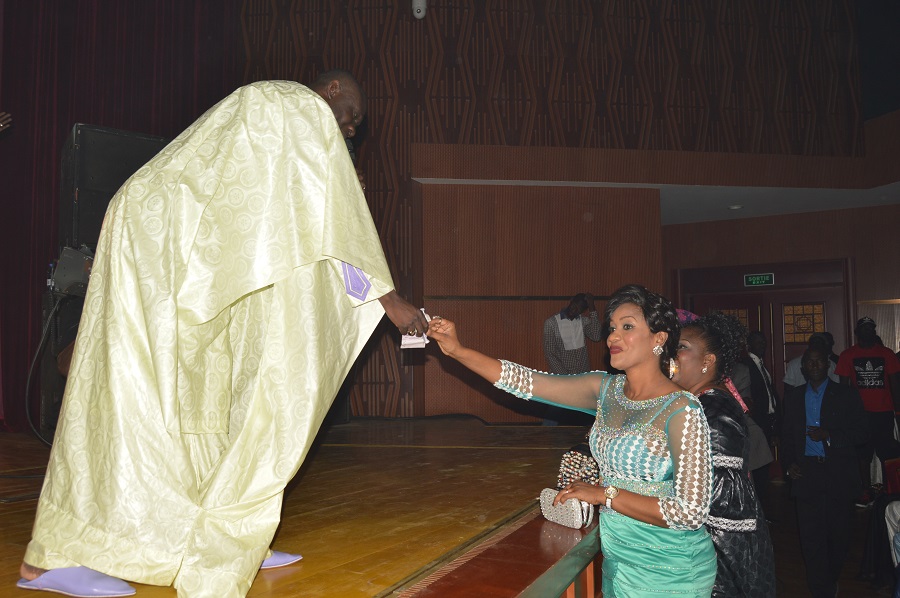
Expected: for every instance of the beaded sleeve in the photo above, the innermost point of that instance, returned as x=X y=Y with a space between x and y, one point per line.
x=689 y=439
x=577 y=392
x=515 y=379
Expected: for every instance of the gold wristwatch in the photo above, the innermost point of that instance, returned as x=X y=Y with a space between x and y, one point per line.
x=611 y=492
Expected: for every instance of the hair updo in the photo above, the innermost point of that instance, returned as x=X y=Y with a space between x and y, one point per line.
x=659 y=313
x=723 y=336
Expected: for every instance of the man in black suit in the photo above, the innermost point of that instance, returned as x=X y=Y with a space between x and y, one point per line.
x=765 y=407
x=824 y=424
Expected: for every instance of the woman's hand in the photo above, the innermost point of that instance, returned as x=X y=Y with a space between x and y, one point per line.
x=443 y=331
x=589 y=493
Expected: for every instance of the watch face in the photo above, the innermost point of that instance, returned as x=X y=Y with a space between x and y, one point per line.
x=612 y=491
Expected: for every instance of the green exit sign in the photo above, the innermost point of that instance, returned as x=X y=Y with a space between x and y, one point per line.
x=759 y=280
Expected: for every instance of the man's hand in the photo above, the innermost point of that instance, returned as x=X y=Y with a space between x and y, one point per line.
x=405 y=317
x=818 y=434
x=794 y=472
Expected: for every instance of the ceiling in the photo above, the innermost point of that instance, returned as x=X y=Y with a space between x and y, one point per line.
x=683 y=204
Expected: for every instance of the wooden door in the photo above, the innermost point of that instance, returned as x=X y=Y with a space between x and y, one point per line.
x=786 y=317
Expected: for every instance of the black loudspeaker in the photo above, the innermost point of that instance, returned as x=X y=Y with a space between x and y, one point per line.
x=95 y=162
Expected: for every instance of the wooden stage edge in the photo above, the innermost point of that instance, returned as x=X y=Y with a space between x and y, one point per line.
x=452 y=560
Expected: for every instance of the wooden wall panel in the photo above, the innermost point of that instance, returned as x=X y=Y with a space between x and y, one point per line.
x=650 y=167
x=492 y=240
x=499 y=260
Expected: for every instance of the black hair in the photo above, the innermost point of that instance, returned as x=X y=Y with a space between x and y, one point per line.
x=345 y=77
x=659 y=313
x=724 y=337
x=755 y=334
x=580 y=300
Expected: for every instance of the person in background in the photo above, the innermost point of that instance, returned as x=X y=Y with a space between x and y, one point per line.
x=565 y=349
x=760 y=453
x=650 y=440
x=564 y=335
x=824 y=425
x=874 y=371
x=832 y=356
x=237 y=276
x=709 y=348
x=793 y=374
x=765 y=406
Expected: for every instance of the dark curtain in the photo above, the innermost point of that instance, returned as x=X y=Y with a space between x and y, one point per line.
x=152 y=67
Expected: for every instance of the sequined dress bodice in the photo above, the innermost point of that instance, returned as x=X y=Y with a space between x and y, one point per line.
x=629 y=448
x=630 y=442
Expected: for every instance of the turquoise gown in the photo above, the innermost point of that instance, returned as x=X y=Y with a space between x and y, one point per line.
x=658 y=447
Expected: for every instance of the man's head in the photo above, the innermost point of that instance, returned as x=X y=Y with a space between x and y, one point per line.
x=818 y=340
x=347 y=100
x=577 y=306
x=830 y=338
x=814 y=365
x=756 y=343
x=865 y=332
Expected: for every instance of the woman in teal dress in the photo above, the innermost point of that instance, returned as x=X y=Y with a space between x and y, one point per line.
x=651 y=442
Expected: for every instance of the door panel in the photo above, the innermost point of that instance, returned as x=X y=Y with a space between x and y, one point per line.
x=785 y=316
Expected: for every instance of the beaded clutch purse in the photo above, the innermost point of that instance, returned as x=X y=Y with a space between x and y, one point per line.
x=577 y=464
x=573 y=513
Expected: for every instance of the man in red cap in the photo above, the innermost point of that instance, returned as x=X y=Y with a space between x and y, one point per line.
x=874 y=371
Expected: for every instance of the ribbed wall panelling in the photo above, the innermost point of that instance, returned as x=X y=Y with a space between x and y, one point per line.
x=516 y=240
x=650 y=167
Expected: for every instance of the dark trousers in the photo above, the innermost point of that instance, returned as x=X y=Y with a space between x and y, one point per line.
x=881 y=436
x=825 y=525
x=881 y=442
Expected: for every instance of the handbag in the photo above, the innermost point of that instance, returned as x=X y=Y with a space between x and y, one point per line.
x=573 y=513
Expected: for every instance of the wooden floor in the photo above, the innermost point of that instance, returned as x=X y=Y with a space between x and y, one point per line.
x=380 y=503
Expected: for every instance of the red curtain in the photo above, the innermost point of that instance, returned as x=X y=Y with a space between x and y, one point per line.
x=151 y=66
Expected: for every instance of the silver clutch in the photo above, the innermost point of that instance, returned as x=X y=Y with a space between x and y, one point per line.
x=573 y=513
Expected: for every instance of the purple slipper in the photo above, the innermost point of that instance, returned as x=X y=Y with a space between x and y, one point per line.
x=280 y=559
x=80 y=582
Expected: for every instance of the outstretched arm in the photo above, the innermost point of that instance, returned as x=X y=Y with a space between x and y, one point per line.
x=575 y=391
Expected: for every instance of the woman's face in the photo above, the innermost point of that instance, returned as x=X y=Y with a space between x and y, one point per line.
x=691 y=357
x=630 y=341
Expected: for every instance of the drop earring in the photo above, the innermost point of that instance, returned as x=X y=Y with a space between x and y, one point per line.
x=673 y=368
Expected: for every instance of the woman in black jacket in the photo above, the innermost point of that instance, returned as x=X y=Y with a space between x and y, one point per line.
x=708 y=349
